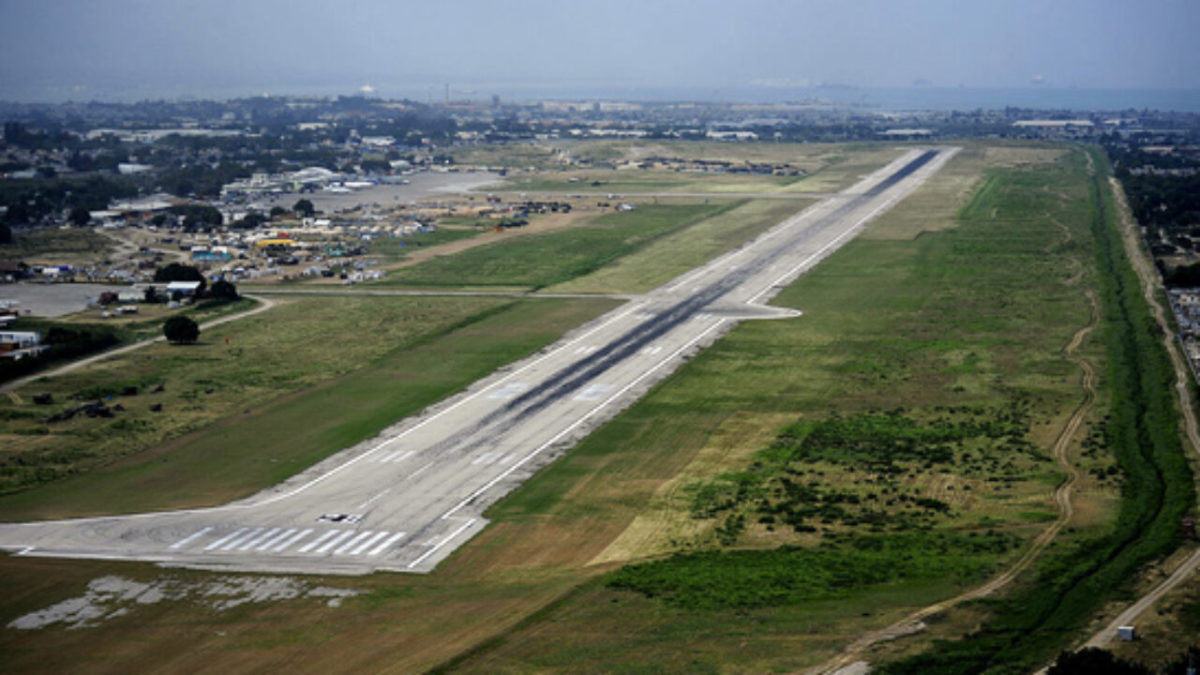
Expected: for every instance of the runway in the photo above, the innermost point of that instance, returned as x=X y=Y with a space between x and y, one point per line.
x=405 y=500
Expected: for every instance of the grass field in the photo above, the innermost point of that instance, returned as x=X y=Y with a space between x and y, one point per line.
x=404 y=353
x=969 y=312
x=54 y=243
x=943 y=321
x=678 y=252
x=545 y=259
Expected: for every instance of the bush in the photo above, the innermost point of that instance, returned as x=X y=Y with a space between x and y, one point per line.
x=181 y=330
x=223 y=290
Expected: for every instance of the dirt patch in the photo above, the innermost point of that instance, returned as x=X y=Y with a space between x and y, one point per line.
x=113 y=596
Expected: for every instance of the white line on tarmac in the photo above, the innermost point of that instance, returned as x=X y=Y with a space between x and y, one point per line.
x=372 y=500
x=242 y=538
x=316 y=542
x=440 y=544
x=276 y=539
x=346 y=546
x=333 y=542
x=582 y=419
x=369 y=453
x=224 y=539
x=246 y=546
x=189 y=539
x=390 y=540
x=420 y=471
x=299 y=535
x=367 y=544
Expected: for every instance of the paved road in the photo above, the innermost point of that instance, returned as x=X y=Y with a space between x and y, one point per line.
x=405 y=500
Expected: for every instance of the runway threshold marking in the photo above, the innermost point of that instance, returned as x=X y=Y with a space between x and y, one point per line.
x=390 y=541
x=346 y=546
x=192 y=537
x=367 y=544
x=276 y=539
x=240 y=539
x=256 y=540
x=224 y=539
x=284 y=546
x=334 y=542
x=316 y=542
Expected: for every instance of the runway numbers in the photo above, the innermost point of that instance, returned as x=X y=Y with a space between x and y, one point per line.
x=593 y=392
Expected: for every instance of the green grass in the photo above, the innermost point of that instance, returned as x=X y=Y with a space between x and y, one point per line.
x=409 y=353
x=55 y=241
x=887 y=322
x=1141 y=430
x=709 y=580
x=541 y=260
x=681 y=251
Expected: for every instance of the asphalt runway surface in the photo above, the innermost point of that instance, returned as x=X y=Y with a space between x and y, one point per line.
x=406 y=499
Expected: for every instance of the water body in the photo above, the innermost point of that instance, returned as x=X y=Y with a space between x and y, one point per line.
x=869 y=98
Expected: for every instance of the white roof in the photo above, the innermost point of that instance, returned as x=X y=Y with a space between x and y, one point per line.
x=183 y=285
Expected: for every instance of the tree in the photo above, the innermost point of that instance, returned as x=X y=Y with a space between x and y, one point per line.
x=304 y=208
x=5 y=234
x=277 y=211
x=180 y=272
x=224 y=290
x=80 y=216
x=181 y=330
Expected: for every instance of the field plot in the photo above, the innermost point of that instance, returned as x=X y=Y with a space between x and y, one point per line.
x=541 y=260
x=682 y=250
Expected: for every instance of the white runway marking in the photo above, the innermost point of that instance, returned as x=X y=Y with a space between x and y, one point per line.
x=593 y=392
x=333 y=542
x=440 y=544
x=299 y=535
x=651 y=351
x=421 y=470
x=396 y=457
x=485 y=458
x=276 y=539
x=224 y=539
x=587 y=349
x=189 y=539
x=316 y=542
x=390 y=540
x=240 y=539
x=372 y=500
x=256 y=540
x=367 y=544
x=346 y=546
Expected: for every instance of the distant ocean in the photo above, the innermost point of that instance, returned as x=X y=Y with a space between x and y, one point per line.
x=889 y=99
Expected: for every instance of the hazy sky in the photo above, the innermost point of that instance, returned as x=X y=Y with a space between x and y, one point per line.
x=95 y=48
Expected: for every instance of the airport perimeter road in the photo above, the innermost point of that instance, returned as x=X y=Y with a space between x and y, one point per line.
x=404 y=500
